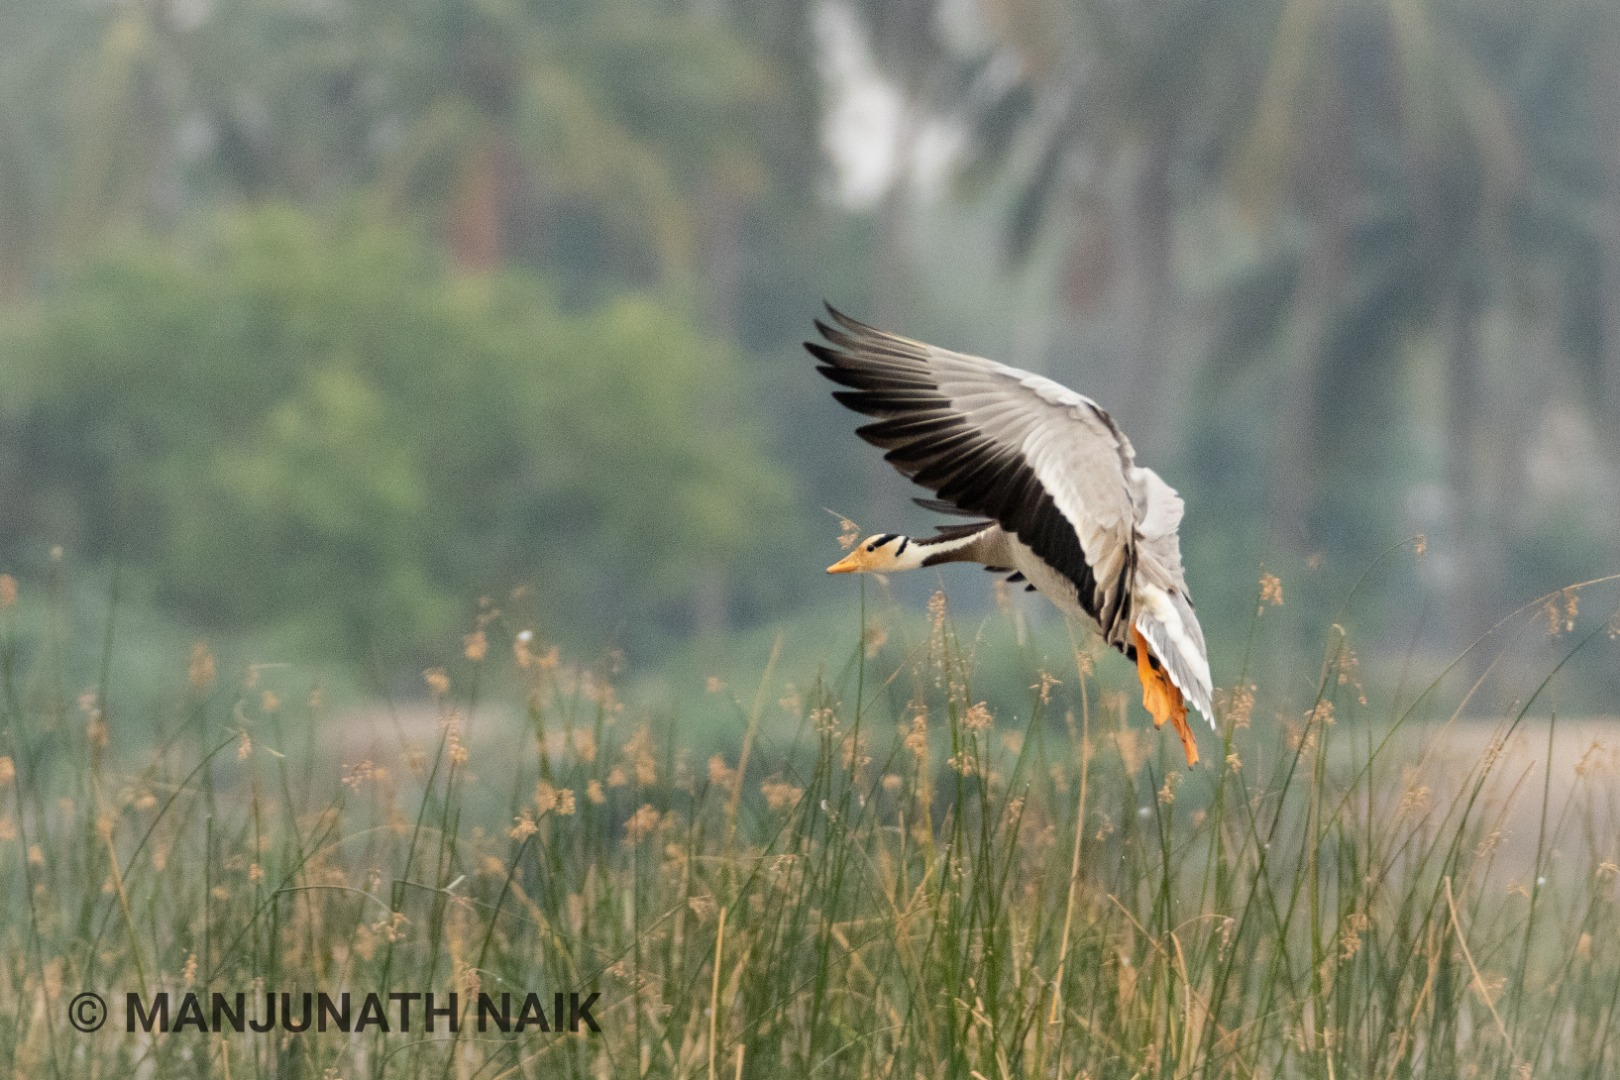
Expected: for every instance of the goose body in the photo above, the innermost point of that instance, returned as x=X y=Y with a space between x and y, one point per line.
x=1066 y=507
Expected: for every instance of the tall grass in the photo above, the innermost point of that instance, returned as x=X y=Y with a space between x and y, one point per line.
x=879 y=875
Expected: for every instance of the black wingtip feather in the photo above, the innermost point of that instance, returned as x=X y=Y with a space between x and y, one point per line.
x=855 y=326
x=824 y=353
x=940 y=506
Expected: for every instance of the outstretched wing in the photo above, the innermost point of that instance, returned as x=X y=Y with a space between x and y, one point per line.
x=1158 y=527
x=1047 y=464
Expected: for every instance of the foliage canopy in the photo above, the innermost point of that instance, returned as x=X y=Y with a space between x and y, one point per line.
x=325 y=431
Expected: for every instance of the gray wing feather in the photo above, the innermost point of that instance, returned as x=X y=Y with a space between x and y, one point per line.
x=1158 y=530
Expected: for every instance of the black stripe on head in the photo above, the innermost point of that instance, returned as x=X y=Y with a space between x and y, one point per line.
x=884 y=539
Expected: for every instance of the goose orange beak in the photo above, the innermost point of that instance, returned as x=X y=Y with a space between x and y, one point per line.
x=849 y=564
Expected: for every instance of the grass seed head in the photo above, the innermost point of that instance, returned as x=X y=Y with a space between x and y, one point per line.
x=641 y=823
x=1237 y=705
x=1271 y=592
x=781 y=795
x=1414 y=802
x=877 y=636
x=1044 y=687
x=1560 y=612
x=355 y=776
x=721 y=775
x=916 y=738
x=454 y=747
x=584 y=742
x=638 y=751
x=849 y=533
x=1355 y=925
x=1591 y=759
x=545 y=797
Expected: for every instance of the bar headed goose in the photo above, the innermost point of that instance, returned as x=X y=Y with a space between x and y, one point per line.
x=1069 y=510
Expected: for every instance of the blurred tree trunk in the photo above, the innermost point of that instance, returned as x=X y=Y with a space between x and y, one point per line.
x=1608 y=232
x=1295 y=454
x=1330 y=165
x=1610 y=373
x=892 y=289
x=724 y=251
x=125 y=103
x=893 y=305
x=1149 y=388
x=904 y=44
x=480 y=205
x=792 y=140
x=1475 y=524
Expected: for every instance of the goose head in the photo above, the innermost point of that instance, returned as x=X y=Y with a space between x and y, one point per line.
x=884 y=553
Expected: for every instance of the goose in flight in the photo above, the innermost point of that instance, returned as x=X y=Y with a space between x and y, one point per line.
x=1069 y=511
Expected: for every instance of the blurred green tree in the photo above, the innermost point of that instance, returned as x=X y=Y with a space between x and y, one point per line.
x=324 y=432
x=1108 y=122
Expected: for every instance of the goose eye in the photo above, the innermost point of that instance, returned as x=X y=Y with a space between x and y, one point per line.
x=871 y=547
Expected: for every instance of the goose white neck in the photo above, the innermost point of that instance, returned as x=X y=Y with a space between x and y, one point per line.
x=944 y=549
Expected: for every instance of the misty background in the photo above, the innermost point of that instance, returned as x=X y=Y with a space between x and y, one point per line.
x=320 y=321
